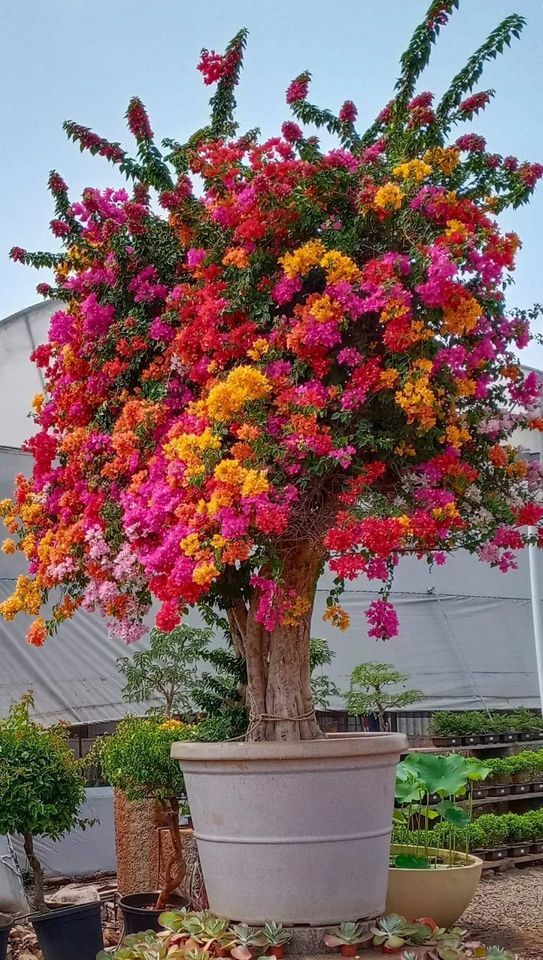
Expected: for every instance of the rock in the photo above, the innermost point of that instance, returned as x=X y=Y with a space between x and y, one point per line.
x=74 y=893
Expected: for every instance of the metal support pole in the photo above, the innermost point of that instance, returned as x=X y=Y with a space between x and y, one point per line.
x=535 y=592
x=536 y=612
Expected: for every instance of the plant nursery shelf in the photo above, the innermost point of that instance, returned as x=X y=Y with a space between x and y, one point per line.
x=512 y=861
x=507 y=798
x=475 y=747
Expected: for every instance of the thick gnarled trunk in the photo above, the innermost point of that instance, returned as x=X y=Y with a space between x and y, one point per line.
x=279 y=676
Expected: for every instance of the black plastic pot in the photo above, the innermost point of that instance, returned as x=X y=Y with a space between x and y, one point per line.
x=4 y=935
x=496 y=853
x=489 y=738
x=72 y=933
x=509 y=737
x=500 y=790
x=519 y=849
x=138 y=913
x=448 y=741
x=522 y=787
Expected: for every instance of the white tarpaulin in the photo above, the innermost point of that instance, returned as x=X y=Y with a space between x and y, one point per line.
x=466 y=639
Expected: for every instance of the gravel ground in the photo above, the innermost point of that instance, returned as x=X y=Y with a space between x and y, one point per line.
x=508 y=910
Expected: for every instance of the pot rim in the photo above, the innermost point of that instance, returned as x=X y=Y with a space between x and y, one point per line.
x=152 y=895
x=336 y=745
x=56 y=913
x=466 y=861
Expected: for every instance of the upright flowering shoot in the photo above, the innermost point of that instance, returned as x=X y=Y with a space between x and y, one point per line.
x=312 y=362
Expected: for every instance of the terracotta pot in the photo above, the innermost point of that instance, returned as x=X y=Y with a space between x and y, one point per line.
x=348 y=949
x=307 y=824
x=440 y=894
x=276 y=950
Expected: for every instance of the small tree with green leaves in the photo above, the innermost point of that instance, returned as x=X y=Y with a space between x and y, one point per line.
x=167 y=670
x=322 y=688
x=136 y=759
x=41 y=784
x=370 y=693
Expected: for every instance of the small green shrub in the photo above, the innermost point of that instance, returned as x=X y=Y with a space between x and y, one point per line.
x=458 y=723
x=487 y=831
x=41 y=783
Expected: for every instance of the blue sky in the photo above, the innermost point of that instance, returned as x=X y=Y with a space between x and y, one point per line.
x=81 y=60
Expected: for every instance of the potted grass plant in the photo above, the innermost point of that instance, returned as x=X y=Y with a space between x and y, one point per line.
x=41 y=791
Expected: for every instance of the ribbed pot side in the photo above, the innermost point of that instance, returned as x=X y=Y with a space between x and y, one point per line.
x=297 y=832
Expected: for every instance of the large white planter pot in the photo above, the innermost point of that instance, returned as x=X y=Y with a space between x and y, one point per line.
x=294 y=832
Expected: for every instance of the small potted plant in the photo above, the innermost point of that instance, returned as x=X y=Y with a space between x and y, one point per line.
x=528 y=724
x=246 y=939
x=136 y=760
x=392 y=932
x=348 y=937
x=276 y=938
x=374 y=690
x=41 y=791
x=444 y=729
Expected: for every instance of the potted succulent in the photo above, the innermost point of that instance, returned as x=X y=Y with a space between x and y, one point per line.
x=275 y=393
x=392 y=932
x=136 y=759
x=246 y=940
x=276 y=938
x=348 y=937
x=425 y=878
x=41 y=791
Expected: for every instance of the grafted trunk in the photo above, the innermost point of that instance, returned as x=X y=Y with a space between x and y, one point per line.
x=278 y=669
x=175 y=868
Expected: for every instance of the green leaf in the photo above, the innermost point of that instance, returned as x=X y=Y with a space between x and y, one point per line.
x=407 y=861
x=453 y=814
x=442 y=775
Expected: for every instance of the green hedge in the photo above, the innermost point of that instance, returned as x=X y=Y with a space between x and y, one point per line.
x=488 y=830
x=452 y=723
x=528 y=764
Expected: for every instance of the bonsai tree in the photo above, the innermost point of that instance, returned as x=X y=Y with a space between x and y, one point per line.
x=322 y=688
x=136 y=759
x=167 y=670
x=305 y=358
x=370 y=693
x=41 y=785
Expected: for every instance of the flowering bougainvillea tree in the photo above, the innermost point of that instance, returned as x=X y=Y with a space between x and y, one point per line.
x=273 y=356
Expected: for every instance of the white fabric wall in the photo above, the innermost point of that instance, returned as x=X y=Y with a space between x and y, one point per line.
x=80 y=852
x=20 y=379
